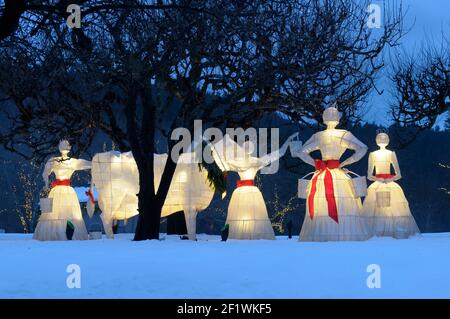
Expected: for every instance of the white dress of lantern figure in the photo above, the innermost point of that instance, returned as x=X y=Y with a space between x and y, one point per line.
x=247 y=213
x=333 y=209
x=65 y=206
x=385 y=202
x=189 y=191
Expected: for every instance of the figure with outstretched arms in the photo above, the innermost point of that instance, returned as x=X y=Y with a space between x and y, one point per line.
x=247 y=213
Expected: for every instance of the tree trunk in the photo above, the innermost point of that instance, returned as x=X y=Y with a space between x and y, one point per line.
x=148 y=205
x=151 y=201
x=142 y=141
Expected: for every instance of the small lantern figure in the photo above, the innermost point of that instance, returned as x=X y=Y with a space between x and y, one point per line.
x=386 y=204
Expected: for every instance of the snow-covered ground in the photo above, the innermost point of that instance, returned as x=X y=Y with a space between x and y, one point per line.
x=171 y=268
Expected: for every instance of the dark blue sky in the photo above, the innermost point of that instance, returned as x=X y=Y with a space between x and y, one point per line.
x=430 y=21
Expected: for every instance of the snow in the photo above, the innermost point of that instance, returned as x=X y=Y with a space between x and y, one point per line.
x=171 y=268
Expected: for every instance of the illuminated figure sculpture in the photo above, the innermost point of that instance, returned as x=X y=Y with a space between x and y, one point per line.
x=333 y=207
x=385 y=203
x=247 y=213
x=116 y=178
x=64 y=207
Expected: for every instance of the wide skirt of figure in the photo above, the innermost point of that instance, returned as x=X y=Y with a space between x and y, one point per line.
x=389 y=212
x=65 y=207
x=247 y=215
x=349 y=222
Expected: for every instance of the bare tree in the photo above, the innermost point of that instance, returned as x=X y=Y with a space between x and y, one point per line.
x=421 y=90
x=37 y=15
x=322 y=52
x=134 y=74
x=25 y=194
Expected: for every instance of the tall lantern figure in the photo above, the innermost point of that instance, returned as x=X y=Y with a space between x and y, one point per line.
x=65 y=206
x=385 y=202
x=247 y=213
x=333 y=207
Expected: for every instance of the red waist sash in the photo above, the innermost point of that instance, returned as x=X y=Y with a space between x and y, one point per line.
x=245 y=182
x=324 y=168
x=61 y=182
x=384 y=176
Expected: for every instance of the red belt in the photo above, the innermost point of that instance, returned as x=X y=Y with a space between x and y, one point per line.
x=61 y=182
x=324 y=167
x=245 y=182
x=384 y=176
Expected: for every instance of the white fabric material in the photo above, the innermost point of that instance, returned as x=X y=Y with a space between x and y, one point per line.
x=352 y=224
x=65 y=204
x=332 y=144
x=115 y=175
x=116 y=178
x=247 y=215
x=247 y=212
x=386 y=204
x=331 y=114
x=189 y=190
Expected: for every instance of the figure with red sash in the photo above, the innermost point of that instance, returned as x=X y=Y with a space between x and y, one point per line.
x=65 y=206
x=247 y=213
x=333 y=211
x=385 y=202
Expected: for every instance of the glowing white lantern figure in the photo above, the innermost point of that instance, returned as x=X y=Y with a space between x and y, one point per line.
x=115 y=175
x=117 y=180
x=247 y=212
x=385 y=202
x=189 y=189
x=64 y=206
x=333 y=210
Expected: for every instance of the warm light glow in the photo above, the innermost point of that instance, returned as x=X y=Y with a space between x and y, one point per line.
x=247 y=212
x=62 y=205
x=182 y=178
x=385 y=205
x=116 y=177
x=333 y=207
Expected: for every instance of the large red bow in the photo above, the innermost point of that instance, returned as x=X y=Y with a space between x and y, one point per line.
x=324 y=167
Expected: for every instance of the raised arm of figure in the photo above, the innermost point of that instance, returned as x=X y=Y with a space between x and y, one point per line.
x=222 y=152
x=394 y=162
x=81 y=164
x=276 y=155
x=310 y=145
x=351 y=142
